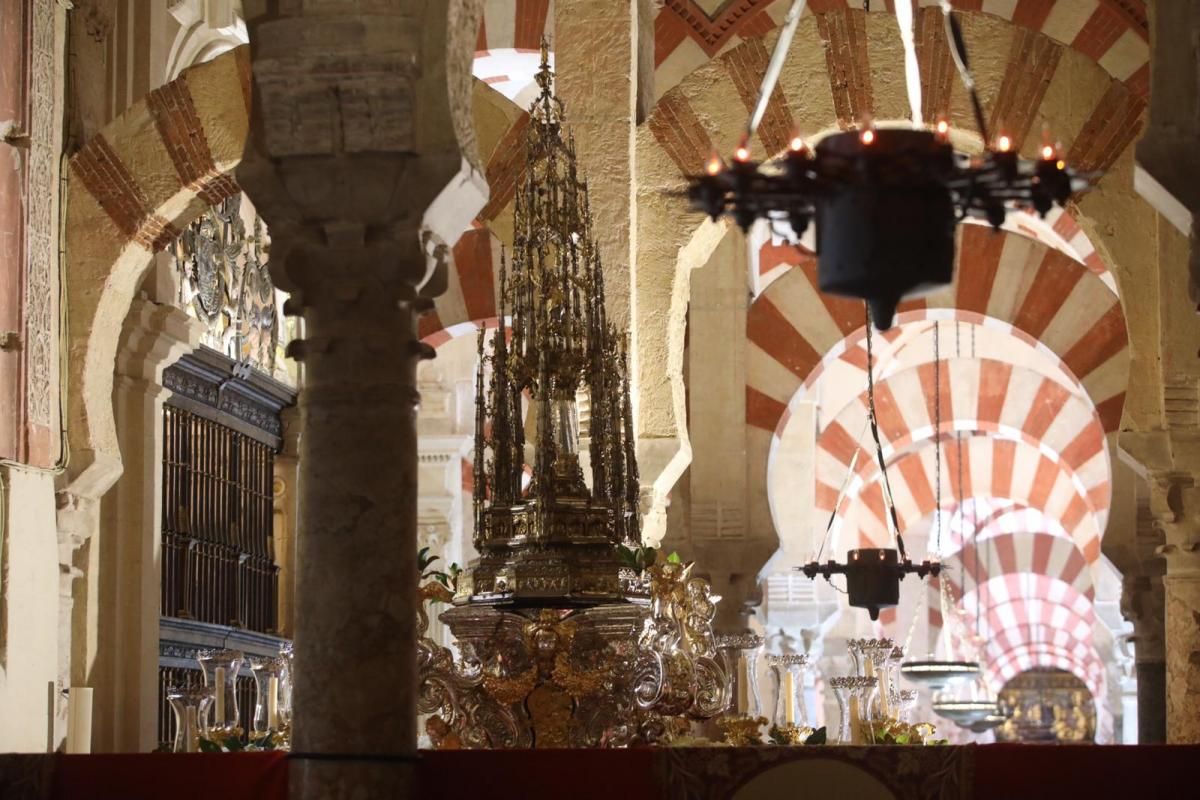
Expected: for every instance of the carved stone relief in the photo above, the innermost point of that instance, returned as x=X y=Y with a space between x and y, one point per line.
x=40 y=291
x=225 y=283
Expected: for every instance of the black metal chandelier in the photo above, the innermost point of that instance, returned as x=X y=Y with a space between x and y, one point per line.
x=884 y=201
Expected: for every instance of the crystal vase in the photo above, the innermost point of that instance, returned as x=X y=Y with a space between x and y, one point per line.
x=190 y=706
x=220 y=669
x=268 y=679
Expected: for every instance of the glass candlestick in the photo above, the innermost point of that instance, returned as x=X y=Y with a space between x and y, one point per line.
x=286 y=684
x=268 y=677
x=858 y=659
x=190 y=706
x=788 y=671
x=907 y=703
x=741 y=653
x=220 y=674
x=841 y=691
x=862 y=691
x=878 y=653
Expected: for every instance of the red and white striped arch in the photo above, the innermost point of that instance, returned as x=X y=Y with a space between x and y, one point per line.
x=1047 y=298
x=1015 y=470
x=1033 y=550
x=1114 y=33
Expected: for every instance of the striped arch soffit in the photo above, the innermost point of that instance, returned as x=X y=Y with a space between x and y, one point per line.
x=139 y=182
x=1030 y=619
x=995 y=462
x=1078 y=69
x=771 y=257
x=1113 y=33
x=1043 y=297
x=508 y=48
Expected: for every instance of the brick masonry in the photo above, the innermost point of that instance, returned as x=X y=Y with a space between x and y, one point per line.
x=746 y=65
x=107 y=179
x=182 y=132
x=1032 y=60
x=679 y=132
x=844 y=34
x=1115 y=123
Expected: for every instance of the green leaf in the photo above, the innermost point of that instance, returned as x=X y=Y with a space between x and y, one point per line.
x=234 y=745
x=209 y=746
x=901 y=739
x=649 y=555
x=674 y=559
x=818 y=737
x=628 y=558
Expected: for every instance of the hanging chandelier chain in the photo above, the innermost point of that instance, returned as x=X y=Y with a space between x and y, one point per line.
x=937 y=437
x=958 y=52
x=874 y=422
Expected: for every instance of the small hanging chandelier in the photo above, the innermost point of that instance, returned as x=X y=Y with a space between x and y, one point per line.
x=885 y=201
x=873 y=574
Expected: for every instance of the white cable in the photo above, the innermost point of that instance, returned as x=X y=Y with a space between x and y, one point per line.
x=912 y=70
x=774 y=67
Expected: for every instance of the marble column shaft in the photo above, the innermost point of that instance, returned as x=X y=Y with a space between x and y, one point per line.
x=356 y=549
x=360 y=163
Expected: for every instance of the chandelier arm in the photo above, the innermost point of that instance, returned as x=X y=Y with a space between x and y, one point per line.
x=958 y=51
x=774 y=67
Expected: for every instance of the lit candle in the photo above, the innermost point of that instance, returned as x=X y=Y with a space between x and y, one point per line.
x=789 y=702
x=743 y=697
x=273 y=703
x=79 y=720
x=219 y=691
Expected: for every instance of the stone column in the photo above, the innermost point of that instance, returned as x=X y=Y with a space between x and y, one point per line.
x=359 y=110
x=1170 y=463
x=287 y=463
x=1178 y=509
x=1142 y=604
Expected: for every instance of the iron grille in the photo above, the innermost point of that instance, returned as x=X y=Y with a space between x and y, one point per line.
x=218 y=557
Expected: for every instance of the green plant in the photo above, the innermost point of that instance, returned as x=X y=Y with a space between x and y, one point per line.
x=639 y=559
x=234 y=744
x=447 y=578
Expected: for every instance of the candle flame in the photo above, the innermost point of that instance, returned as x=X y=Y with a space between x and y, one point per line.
x=1048 y=152
x=868 y=136
x=1004 y=143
